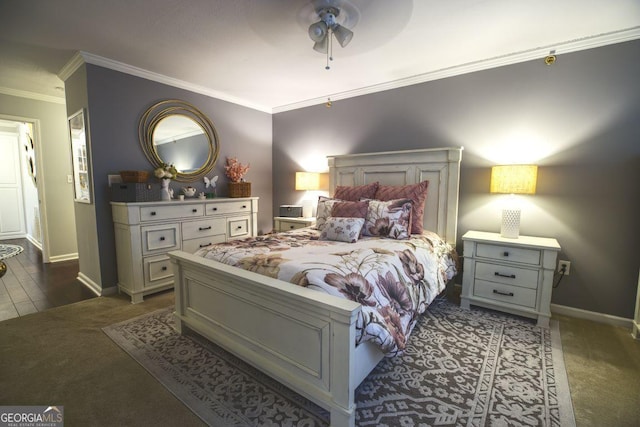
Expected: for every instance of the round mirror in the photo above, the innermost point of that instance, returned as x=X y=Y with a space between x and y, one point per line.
x=176 y=133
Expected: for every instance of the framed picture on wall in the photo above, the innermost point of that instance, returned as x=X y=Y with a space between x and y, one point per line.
x=80 y=157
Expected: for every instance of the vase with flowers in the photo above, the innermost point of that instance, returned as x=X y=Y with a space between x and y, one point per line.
x=236 y=171
x=165 y=173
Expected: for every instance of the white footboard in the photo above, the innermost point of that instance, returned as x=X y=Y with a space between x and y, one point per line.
x=302 y=338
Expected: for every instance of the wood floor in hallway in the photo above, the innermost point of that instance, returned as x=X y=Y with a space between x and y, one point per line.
x=30 y=285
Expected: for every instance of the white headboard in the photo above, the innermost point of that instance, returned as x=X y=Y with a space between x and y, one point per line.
x=439 y=166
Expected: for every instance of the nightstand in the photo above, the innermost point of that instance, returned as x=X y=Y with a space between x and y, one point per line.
x=283 y=223
x=510 y=275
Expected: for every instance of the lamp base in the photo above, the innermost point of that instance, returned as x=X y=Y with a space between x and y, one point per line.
x=510 y=227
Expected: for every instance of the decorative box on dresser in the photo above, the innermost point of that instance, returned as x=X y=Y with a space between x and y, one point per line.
x=510 y=275
x=283 y=223
x=146 y=231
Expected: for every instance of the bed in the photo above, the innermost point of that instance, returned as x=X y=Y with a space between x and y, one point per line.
x=308 y=340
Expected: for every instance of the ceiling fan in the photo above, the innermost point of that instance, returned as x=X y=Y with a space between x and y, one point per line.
x=330 y=14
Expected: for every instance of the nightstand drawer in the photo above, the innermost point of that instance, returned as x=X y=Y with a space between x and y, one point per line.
x=505 y=293
x=508 y=253
x=291 y=225
x=507 y=274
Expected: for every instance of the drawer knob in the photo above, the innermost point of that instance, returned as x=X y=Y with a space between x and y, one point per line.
x=164 y=268
x=505 y=253
x=204 y=228
x=510 y=276
x=153 y=213
x=215 y=209
x=205 y=245
x=194 y=210
x=162 y=238
x=239 y=227
x=506 y=294
x=244 y=206
x=292 y=227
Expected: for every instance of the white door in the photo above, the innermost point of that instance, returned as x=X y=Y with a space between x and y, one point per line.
x=12 y=223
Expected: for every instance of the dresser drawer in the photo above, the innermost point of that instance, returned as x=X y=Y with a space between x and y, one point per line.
x=508 y=253
x=507 y=274
x=510 y=294
x=192 y=245
x=178 y=211
x=157 y=270
x=239 y=227
x=238 y=207
x=160 y=238
x=206 y=227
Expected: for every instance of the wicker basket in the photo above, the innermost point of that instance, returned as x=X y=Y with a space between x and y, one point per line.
x=239 y=189
x=134 y=176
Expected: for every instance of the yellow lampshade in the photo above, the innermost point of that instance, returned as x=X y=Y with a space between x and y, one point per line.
x=514 y=179
x=311 y=181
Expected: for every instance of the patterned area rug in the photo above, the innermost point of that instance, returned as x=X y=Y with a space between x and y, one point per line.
x=7 y=251
x=461 y=368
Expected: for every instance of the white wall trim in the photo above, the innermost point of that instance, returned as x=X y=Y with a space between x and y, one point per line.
x=34 y=242
x=94 y=287
x=31 y=95
x=483 y=64
x=592 y=315
x=64 y=257
x=82 y=57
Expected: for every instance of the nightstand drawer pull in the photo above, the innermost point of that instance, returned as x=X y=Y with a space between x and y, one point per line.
x=205 y=245
x=292 y=227
x=510 y=276
x=204 y=228
x=507 y=294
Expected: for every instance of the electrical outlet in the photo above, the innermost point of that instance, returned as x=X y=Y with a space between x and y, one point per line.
x=566 y=265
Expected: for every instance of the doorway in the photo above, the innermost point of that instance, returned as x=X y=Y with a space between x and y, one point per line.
x=20 y=215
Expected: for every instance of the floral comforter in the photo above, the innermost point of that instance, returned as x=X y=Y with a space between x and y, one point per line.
x=393 y=280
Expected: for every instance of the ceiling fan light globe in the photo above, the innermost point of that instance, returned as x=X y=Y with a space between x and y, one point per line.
x=343 y=35
x=322 y=46
x=318 y=31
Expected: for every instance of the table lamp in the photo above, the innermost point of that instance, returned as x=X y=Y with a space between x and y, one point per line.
x=310 y=181
x=513 y=179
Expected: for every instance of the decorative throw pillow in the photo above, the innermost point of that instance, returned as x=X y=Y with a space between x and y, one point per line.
x=417 y=193
x=323 y=210
x=355 y=193
x=342 y=229
x=390 y=218
x=350 y=209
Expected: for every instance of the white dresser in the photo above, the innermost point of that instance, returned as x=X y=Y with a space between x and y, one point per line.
x=510 y=275
x=146 y=231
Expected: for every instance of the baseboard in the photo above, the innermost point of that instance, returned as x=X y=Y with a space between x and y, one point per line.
x=65 y=257
x=34 y=242
x=94 y=287
x=592 y=315
x=636 y=329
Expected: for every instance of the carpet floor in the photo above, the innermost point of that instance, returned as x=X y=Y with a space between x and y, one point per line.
x=461 y=368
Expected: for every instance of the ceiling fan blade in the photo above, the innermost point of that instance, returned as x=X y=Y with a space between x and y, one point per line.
x=343 y=34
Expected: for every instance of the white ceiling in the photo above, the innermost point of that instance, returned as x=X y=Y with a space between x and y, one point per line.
x=257 y=52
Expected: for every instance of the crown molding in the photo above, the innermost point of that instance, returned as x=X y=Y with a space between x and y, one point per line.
x=484 y=64
x=82 y=57
x=32 y=95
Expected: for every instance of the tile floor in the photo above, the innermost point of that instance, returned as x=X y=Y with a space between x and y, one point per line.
x=30 y=285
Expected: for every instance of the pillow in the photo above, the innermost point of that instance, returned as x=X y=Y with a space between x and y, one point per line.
x=357 y=192
x=417 y=193
x=342 y=229
x=389 y=219
x=350 y=209
x=323 y=210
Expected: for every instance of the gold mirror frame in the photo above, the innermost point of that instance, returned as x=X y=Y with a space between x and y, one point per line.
x=163 y=109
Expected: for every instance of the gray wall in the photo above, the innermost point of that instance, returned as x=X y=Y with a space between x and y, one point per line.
x=579 y=120
x=116 y=101
x=52 y=136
